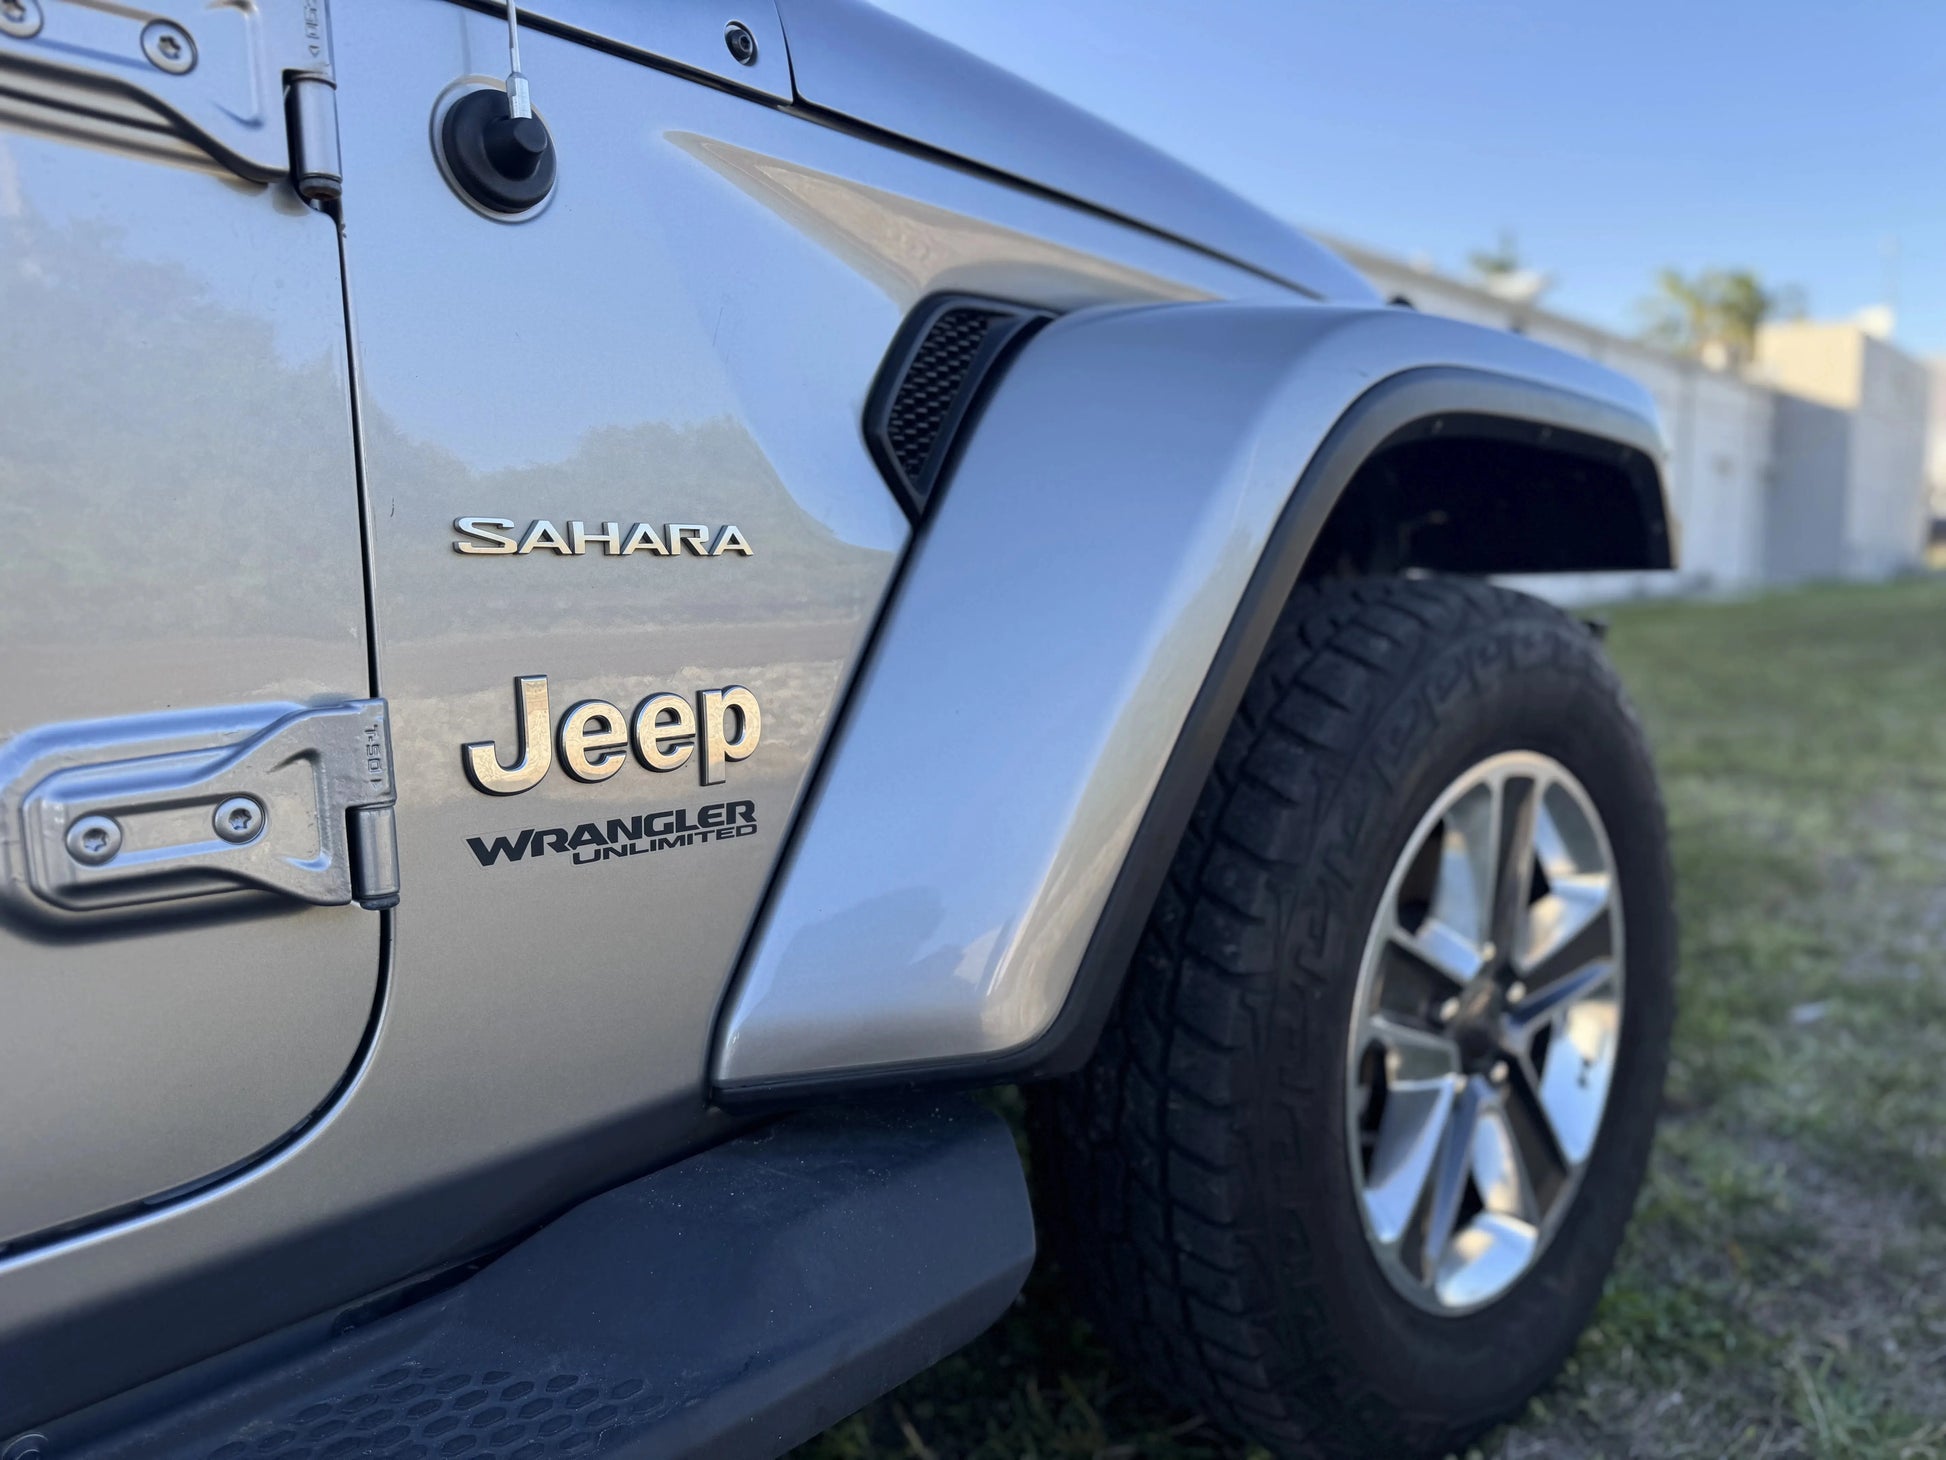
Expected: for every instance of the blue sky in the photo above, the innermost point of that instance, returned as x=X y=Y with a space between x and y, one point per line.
x=1796 y=139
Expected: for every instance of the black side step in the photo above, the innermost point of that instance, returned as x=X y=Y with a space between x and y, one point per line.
x=731 y=1305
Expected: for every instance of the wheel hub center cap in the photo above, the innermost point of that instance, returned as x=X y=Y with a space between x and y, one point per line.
x=1479 y=1043
x=1478 y=1025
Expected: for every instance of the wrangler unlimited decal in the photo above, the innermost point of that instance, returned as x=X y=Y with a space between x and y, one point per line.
x=619 y=836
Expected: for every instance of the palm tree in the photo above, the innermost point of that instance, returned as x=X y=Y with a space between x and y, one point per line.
x=1502 y=274
x=1714 y=313
x=1491 y=263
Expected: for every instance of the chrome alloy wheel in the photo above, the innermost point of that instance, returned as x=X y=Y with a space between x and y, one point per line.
x=1485 y=1030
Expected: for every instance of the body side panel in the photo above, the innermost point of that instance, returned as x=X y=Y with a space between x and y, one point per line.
x=691 y=327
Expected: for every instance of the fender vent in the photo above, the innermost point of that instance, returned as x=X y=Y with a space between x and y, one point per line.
x=931 y=381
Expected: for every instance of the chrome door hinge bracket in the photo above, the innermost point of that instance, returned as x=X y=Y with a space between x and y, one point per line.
x=303 y=807
x=248 y=87
x=311 y=111
x=311 y=114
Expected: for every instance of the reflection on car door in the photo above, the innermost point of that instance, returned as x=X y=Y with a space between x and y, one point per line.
x=182 y=575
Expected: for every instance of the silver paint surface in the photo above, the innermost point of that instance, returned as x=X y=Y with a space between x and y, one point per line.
x=1060 y=612
x=176 y=464
x=592 y=363
x=851 y=58
x=696 y=319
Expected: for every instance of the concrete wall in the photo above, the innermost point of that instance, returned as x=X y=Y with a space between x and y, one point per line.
x=1889 y=521
x=1811 y=465
x=1865 y=449
x=1805 y=528
x=1936 y=435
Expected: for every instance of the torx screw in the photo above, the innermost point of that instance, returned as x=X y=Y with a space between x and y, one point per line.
x=20 y=19
x=1449 y=1011
x=168 y=47
x=1516 y=991
x=239 y=819
x=94 y=839
x=742 y=44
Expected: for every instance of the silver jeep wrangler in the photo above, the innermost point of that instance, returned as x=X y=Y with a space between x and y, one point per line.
x=604 y=615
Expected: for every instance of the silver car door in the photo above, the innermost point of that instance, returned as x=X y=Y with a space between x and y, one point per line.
x=184 y=668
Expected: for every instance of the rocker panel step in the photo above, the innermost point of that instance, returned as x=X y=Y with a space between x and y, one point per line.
x=731 y=1305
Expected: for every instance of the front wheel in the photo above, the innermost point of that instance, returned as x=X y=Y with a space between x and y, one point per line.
x=1354 y=1156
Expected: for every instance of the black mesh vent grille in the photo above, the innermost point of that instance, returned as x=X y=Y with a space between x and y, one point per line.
x=929 y=381
x=933 y=382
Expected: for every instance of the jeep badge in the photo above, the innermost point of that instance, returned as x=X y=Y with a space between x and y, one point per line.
x=595 y=737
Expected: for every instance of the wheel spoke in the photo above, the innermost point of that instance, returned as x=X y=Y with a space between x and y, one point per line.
x=1516 y=807
x=1580 y=887
x=1563 y=918
x=1499 y=1168
x=1420 y=1067
x=1411 y=1135
x=1413 y=1056
x=1408 y=985
x=1449 y=1177
x=1580 y=1060
x=1441 y=948
x=1543 y=1005
x=1546 y=1164
x=1592 y=942
x=1458 y=921
x=1485 y=1259
x=1496 y=1245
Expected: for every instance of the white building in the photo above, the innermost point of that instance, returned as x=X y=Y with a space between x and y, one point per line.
x=1936 y=443
x=1809 y=464
x=1849 y=496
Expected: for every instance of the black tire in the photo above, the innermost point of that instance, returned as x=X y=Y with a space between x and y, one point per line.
x=1194 y=1177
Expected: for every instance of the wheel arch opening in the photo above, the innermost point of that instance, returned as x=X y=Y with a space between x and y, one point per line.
x=1474 y=493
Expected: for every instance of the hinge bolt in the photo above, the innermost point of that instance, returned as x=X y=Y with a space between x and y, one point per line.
x=20 y=19
x=168 y=47
x=239 y=819
x=94 y=839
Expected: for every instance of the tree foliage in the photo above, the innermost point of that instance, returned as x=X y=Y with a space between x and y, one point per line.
x=1716 y=312
x=1503 y=258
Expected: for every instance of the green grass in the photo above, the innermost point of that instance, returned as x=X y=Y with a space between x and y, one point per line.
x=1783 y=1288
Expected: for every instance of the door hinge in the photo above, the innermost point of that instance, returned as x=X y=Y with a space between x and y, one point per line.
x=311 y=117
x=303 y=807
x=247 y=87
